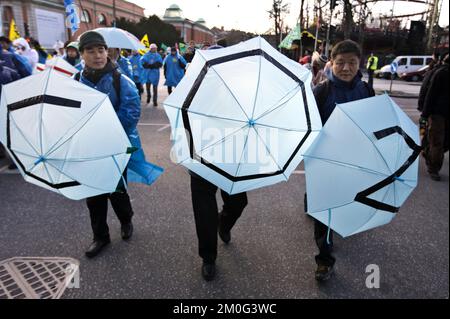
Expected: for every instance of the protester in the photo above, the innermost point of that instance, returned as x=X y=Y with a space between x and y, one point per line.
x=343 y=85
x=152 y=63
x=72 y=55
x=20 y=62
x=174 y=66
x=43 y=55
x=190 y=52
x=22 y=48
x=435 y=111
x=138 y=71
x=102 y=74
x=317 y=67
x=124 y=64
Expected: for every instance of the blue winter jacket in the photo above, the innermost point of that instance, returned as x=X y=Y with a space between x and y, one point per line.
x=152 y=75
x=128 y=110
x=125 y=66
x=22 y=66
x=173 y=71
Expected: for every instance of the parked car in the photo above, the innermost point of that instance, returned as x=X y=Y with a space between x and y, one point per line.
x=415 y=76
x=406 y=64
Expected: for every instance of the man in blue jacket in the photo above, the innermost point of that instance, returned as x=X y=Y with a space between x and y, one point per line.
x=343 y=85
x=21 y=64
x=174 y=67
x=101 y=73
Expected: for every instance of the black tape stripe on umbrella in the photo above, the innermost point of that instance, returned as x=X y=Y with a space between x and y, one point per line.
x=196 y=86
x=47 y=99
x=363 y=197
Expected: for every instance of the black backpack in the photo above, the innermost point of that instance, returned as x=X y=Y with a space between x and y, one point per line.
x=116 y=81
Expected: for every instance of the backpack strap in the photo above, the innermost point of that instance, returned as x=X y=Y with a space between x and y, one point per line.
x=116 y=82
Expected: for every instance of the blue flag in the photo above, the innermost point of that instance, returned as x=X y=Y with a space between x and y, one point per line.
x=72 y=19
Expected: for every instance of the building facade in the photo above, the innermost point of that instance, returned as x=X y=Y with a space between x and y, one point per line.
x=44 y=20
x=189 y=30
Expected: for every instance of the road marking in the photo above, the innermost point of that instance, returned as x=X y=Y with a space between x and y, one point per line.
x=299 y=173
x=3 y=168
x=164 y=127
x=153 y=124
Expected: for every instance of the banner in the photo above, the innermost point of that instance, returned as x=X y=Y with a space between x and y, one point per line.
x=145 y=42
x=72 y=19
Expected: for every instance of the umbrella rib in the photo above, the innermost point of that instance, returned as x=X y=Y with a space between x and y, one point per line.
x=378 y=151
x=259 y=82
x=88 y=115
x=347 y=165
x=206 y=115
x=222 y=140
x=240 y=159
x=23 y=135
x=42 y=111
x=275 y=107
x=75 y=160
x=281 y=128
x=268 y=151
x=231 y=92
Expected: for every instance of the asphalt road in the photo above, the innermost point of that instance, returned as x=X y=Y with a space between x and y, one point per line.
x=272 y=250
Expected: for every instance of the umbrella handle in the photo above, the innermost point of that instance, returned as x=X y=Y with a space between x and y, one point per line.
x=329 y=226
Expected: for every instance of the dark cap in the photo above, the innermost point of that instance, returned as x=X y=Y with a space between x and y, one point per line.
x=91 y=38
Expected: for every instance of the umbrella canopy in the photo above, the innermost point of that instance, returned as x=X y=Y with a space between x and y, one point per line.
x=242 y=116
x=58 y=64
x=119 y=38
x=363 y=166
x=63 y=135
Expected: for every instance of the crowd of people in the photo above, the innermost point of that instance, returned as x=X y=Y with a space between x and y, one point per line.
x=126 y=75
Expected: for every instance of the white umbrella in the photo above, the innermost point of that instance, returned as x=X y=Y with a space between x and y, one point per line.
x=242 y=116
x=58 y=64
x=363 y=166
x=63 y=135
x=119 y=38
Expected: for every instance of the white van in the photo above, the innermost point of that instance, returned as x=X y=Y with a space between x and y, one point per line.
x=406 y=63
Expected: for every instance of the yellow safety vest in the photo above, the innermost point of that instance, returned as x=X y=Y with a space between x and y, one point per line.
x=374 y=64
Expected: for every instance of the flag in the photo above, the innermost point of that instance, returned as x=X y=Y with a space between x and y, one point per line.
x=295 y=34
x=164 y=47
x=13 y=32
x=72 y=19
x=182 y=47
x=145 y=42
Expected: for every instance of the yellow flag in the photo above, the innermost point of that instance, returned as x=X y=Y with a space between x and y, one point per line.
x=13 y=33
x=145 y=42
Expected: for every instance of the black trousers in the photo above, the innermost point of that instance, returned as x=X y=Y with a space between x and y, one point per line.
x=324 y=257
x=98 y=211
x=140 y=87
x=206 y=214
x=149 y=94
x=370 y=82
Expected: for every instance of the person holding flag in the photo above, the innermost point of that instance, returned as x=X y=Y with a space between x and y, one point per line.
x=151 y=63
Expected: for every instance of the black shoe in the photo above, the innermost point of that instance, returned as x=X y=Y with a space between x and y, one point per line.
x=155 y=104
x=208 y=271
x=126 y=231
x=224 y=234
x=12 y=166
x=96 y=247
x=435 y=176
x=323 y=273
x=148 y=99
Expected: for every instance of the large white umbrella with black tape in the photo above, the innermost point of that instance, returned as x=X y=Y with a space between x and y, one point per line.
x=363 y=166
x=63 y=135
x=242 y=116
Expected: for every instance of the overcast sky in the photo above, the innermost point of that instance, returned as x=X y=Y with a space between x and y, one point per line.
x=252 y=16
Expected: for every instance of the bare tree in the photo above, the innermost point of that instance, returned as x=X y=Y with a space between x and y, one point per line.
x=278 y=12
